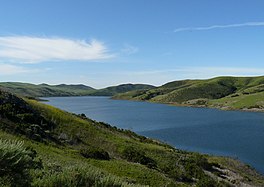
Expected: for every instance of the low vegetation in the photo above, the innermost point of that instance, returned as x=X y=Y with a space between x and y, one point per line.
x=16 y=162
x=44 y=146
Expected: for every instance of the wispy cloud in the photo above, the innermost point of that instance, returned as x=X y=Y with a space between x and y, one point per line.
x=129 y=49
x=26 y=49
x=7 y=69
x=248 y=24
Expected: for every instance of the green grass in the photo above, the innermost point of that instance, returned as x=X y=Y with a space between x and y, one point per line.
x=251 y=101
x=134 y=172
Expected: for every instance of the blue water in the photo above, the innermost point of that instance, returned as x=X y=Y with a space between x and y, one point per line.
x=228 y=133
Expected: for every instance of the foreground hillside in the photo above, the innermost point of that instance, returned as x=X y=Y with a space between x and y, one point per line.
x=45 y=90
x=43 y=146
x=222 y=92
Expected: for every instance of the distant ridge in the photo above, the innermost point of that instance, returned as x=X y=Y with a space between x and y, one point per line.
x=45 y=90
x=113 y=90
x=229 y=93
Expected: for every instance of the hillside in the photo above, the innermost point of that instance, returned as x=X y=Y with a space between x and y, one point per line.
x=222 y=92
x=43 y=146
x=45 y=90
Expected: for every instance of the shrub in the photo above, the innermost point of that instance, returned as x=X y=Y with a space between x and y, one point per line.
x=134 y=155
x=15 y=163
x=96 y=153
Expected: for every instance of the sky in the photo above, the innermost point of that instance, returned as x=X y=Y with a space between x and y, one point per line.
x=109 y=42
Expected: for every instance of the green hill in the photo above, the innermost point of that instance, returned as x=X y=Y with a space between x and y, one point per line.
x=113 y=90
x=45 y=90
x=43 y=146
x=221 y=92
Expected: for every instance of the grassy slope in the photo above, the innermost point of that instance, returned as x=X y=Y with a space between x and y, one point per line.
x=45 y=90
x=221 y=92
x=60 y=137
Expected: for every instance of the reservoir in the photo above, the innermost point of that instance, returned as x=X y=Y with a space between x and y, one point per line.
x=226 y=133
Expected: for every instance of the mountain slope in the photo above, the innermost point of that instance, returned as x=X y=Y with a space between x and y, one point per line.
x=73 y=150
x=220 y=92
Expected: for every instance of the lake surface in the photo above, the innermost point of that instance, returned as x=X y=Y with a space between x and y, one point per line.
x=229 y=133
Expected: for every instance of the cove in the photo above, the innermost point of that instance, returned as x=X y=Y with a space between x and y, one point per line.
x=211 y=131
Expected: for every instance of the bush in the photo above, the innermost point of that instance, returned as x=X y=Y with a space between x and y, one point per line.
x=15 y=163
x=134 y=155
x=96 y=153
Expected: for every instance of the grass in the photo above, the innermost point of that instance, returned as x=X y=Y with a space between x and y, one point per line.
x=241 y=101
x=135 y=172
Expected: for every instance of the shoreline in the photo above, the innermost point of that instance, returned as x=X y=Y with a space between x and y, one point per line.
x=224 y=108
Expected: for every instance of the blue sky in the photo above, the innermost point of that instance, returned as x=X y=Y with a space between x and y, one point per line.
x=102 y=42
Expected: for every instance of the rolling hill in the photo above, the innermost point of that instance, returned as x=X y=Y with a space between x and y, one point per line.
x=221 y=92
x=113 y=90
x=44 y=146
x=45 y=90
